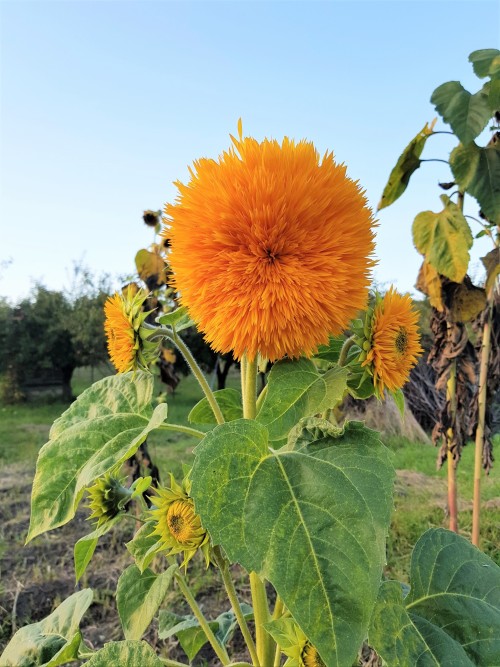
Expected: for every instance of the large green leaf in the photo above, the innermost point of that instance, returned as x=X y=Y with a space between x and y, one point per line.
x=444 y=239
x=190 y=634
x=312 y=520
x=144 y=546
x=451 y=615
x=98 y=432
x=229 y=401
x=85 y=547
x=485 y=62
x=139 y=596
x=477 y=171
x=467 y=114
x=53 y=641
x=407 y=164
x=125 y=654
x=295 y=390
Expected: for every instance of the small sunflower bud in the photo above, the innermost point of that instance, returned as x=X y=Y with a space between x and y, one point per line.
x=108 y=497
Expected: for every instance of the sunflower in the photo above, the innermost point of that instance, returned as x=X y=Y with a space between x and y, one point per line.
x=177 y=524
x=270 y=248
x=128 y=344
x=107 y=498
x=393 y=343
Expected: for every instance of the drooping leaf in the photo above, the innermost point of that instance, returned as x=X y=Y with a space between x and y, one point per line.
x=139 y=596
x=86 y=545
x=98 y=432
x=491 y=263
x=407 y=164
x=144 y=546
x=229 y=401
x=191 y=636
x=465 y=301
x=296 y=389
x=429 y=282
x=485 y=62
x=477 y=171
x=53 y=641
x=444 y=239
x=467 y=114
x=322 y=508
x=151 y=268
x=125 y=654
x=451 y=615
x=178 y=319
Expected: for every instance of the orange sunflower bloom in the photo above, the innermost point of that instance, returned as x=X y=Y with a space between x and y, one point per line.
x=128 y=346
x=394 y=345
x=270 y=248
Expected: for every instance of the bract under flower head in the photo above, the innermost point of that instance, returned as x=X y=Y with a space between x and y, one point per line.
x=177 y=525
x=294 y=644
x=270 y=248
x=107 y=498
x=128 y=344
x=392 y=344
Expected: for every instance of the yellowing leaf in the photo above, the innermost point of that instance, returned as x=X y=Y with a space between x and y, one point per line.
x=408 y=162
x=491 y=262
x=465 y=301
x=444 y=239
x=151 y=268
x=429 y=282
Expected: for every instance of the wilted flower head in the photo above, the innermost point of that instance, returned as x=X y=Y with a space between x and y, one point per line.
x=107 y=498
x=177 y=525
x=151 y=218
x=270 y=248
x=392 y=344
x=128 y=344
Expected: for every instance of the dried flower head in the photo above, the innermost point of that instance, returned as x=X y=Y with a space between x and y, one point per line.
x=270 y=248
x=177 y=525
x=128 y=344
x=392 y=344
x=151 y=218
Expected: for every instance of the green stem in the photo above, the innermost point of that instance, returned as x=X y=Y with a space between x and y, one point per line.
x=279 y=608
x=197 y=372
x=348 y=343
x=173 y=663
x=261 y=397
x=219 y=650
x=223 y=565
x=264 y=641
x=182 y=429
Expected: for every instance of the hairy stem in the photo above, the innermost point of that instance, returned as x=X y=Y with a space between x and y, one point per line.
x=223 y=565
x=348 y=343
x=219 y=650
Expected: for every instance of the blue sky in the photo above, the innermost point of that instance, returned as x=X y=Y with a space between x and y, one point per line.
x=105 y=104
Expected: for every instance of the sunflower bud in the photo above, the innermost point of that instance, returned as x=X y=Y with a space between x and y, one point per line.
x=108 y=497
x=294 y=643
x=178 y=527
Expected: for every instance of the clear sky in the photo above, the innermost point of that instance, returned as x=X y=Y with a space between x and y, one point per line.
x=104 y=104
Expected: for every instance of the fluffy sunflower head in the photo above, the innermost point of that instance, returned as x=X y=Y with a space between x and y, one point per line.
x=107 y=498
x=128 y=344
x=177 y=525
x=270 y=248
x=392 y=344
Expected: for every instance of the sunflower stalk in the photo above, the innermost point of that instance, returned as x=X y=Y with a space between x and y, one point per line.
x=348 y=343
x=451 y=391
x=264 y=641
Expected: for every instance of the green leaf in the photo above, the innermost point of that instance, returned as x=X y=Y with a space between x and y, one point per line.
x=452 y=613
x=485 y=62
x=144 y=546
x=139 y=596
x=494 y=95
x=229 y=401
x=467 y=114
x=191 y=636
x=125 y=654
x=407 y=164
x=295 y=390
x=323 y=509
x=477 y=171
x=98 y=432
x=331 y=351
x=178 y=319
x=85 y=547
x=53 y=641
x=444 y=239
x=491 y=263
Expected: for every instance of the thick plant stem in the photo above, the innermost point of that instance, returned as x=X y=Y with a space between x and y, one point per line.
x=198 y=373
x=451 y=390
x=482 y=398
x=223 y=565
x=264 y=641
x=219 y=650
